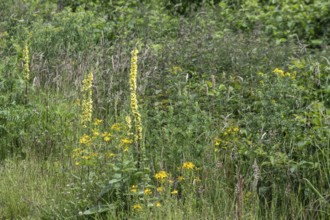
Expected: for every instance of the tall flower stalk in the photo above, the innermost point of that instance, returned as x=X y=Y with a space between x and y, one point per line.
x=26 y=67
x=26 y=64
x=134 y=102
x=87 y=102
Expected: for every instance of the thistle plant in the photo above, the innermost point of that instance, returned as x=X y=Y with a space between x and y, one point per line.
x=87 y=102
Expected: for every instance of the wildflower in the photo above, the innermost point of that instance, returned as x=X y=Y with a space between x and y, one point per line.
x=26 y=66
x=134 y=188
x=97 y=122
x=134 y=102
x=157 y=204
x=106 y=138
x=137 y=207
x=175 y=192
x=188 y=166
x=160 y=189
x=279 y=72
x=235 y=129
x=147 y=192
x=126 y=141
x=109 y=154
x=85 y=139
x=86 y=157
x=116 y=127
x=161 y=175
x=96 y=133
x=87 y=102
x=217 y=141
x=180 y=178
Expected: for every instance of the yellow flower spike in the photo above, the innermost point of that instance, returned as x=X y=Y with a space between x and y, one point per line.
x=26 y=65
x=134 y=102
x=87 y=102
x=188 y=166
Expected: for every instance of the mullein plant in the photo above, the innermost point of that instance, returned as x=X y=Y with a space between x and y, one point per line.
x=134 y=104
x=87 y=102
x=26 y=66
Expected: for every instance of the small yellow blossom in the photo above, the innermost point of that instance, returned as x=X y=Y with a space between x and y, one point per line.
x=180 y=178
x=116 y=127
x=97 y=122
x=175 y=192
x=235 y=129
x=85 y=139
x=126 y=141
x=147 y=192
x=26 y=66
x=217 y=141
x=188 y=166
x=106 y=139
x=87 y=101
x=134 y=188
x=96 y=133
x=279 y=72
x=158 y=204
x=109 y=154
x=137 y=207
x=161 y=175
x=160 y=189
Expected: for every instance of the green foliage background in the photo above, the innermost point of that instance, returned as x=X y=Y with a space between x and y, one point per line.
x=204 y=69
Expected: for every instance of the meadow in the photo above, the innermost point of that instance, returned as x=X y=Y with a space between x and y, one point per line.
x=165 y=109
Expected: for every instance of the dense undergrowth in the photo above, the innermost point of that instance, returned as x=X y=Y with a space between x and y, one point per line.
x=161 y=110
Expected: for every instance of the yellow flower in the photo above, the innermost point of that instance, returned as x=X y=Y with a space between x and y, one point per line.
x=96 y=133
x=279 y=72
x=126 y=141
x=137 y=206
x=106 y=138
x=147 y=192
x=26 y=66
x=134 y=188
x=161 y=175
x=157 y=204
x=235 y=129
x=87 y=102
x=109 y=154
x=134 y=102
x=85 y=139
x=217 y=141
x=180 y=178
x=97 y=122
x=160 y=189
x=188 y=166
x=175 y=192
x=116 y=127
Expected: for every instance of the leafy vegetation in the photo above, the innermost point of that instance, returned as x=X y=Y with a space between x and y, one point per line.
x=164 y=109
